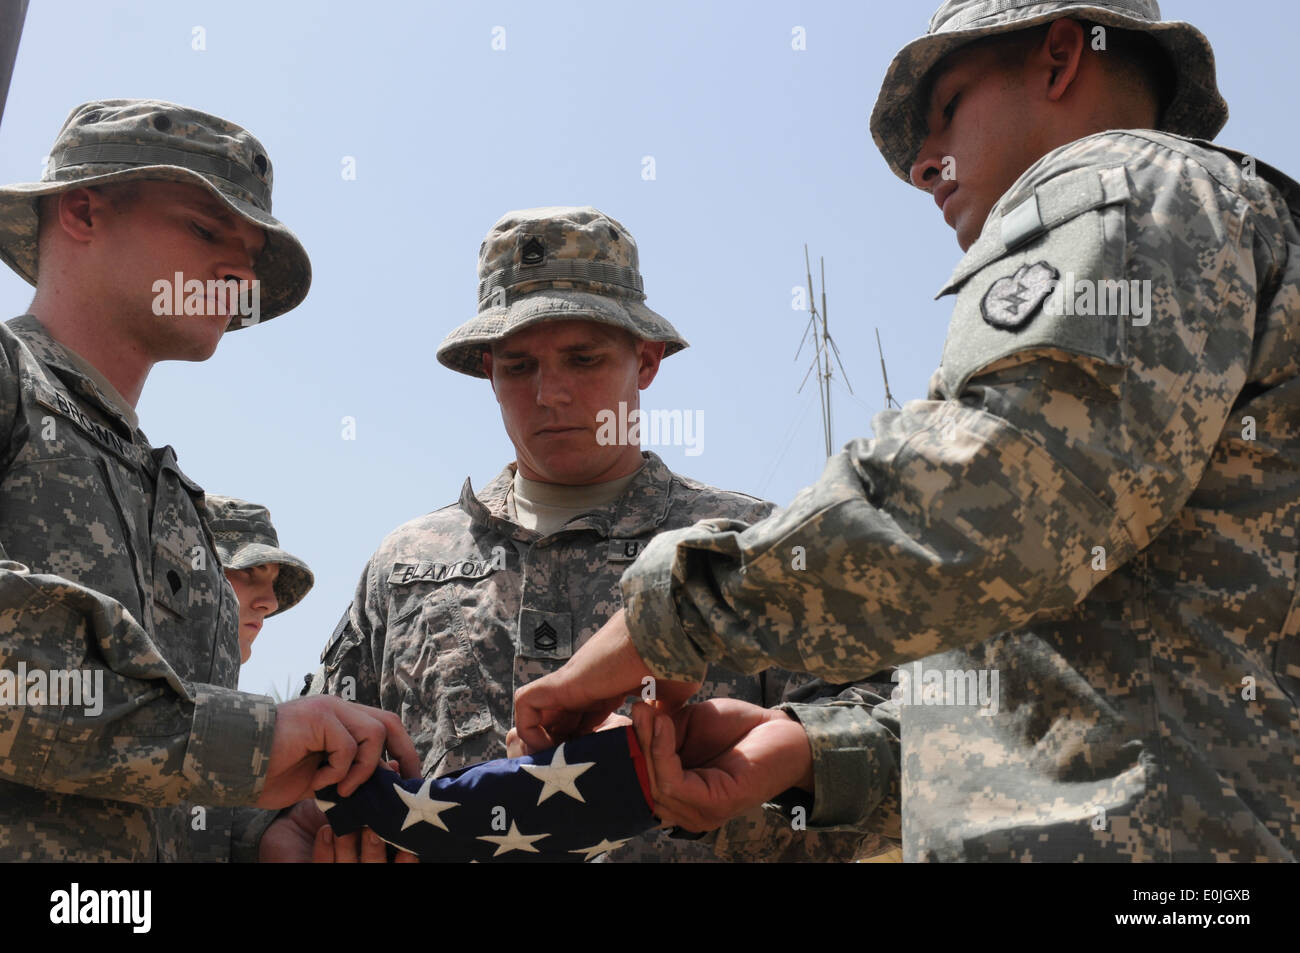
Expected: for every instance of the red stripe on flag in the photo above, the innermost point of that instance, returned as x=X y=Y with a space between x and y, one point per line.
x=638 y=761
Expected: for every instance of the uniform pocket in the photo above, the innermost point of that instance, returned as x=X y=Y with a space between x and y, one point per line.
x=433 y=664
x=60 y=517
x=195 y=628
x=171 y=580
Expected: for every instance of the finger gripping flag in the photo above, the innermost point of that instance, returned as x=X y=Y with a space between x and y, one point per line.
x=572 y=802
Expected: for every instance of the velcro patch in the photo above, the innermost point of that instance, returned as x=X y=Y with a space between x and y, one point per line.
x=405 y=574
x=102 y=436
x=625 y=550
x=1012 y=301
x=545 y=634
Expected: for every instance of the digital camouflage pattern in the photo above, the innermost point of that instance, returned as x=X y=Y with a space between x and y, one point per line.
x=460 y=607
x=1103 y=510
x=898 y=123
x=246 y=537
x=551 y=264
x=123 y=140
x=108 y=569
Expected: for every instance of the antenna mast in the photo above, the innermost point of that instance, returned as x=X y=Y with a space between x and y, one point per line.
x=825 y=348
x=889 y=398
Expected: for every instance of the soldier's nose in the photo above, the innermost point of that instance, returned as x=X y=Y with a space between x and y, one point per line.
x=925 y=170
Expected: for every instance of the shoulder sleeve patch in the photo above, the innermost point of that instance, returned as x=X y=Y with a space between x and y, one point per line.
x=1050 y=274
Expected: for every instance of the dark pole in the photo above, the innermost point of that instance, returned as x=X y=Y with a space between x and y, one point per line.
x=12 y=14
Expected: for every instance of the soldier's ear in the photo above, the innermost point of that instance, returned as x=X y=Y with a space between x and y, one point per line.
x=1060 y=55
x=76 y=211
x=487 y=368
x=649 y=354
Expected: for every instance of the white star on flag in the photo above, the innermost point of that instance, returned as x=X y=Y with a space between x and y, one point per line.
x=513 y=840
x=558 y=777
x=420 y=807
x=324 y=806
x=600 y=848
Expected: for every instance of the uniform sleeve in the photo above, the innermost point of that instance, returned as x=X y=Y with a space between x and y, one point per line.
x=142 y=734
x=854 y=737
x=247 y=827
x=1056 y=448
x=347 y=669
x=854 y=755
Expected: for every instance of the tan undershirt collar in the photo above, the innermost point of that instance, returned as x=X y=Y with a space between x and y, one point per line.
x=545 y=507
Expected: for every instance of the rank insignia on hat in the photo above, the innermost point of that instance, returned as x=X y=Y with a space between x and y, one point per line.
x=533 y=252
x=1011 y=301
x=544 y=637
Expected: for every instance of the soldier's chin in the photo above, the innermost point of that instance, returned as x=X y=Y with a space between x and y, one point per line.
x=569 y=466
x=965 y=238
x=198 y=341
x=968 y=226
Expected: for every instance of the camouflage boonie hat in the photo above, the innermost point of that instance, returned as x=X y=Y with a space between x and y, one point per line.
x=246 y=538
x=554 y=264
x=898 y=122
x=121 y=140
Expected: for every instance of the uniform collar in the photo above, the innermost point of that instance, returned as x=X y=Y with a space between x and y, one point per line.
x=68 y=367
x=640 y=510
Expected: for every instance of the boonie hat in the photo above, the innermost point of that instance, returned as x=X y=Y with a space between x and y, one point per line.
x=246 y=538
x=554 y=264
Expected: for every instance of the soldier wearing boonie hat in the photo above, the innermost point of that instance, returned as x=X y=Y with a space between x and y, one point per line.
x=1090 y=522
x=520 y=573
x=108 y=569
x=266 y=580
x=116 y=141
x=898 y=121
x=245 y=539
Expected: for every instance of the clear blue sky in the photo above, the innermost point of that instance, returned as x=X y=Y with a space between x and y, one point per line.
x=758 y=148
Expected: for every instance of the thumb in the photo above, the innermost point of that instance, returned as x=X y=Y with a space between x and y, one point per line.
x=515 y=747
x=531 y=702
x=663 y=748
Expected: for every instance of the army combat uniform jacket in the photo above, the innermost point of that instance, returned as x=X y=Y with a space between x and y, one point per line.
x=1103 y=509
x=108 y=579
x=462 y=606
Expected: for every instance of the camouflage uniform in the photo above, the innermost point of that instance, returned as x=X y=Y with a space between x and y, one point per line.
x=980 y=510
x=108 y=569
x=460 y=607
x=1102 y=510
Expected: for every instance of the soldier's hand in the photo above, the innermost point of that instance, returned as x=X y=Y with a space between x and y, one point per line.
x=515 y=747
x=363 y=846
x=324 y=740
x=720 y=758
x=290 y=837
x=588 y=688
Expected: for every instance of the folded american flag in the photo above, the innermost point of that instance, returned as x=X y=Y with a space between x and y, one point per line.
x=572 y=802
